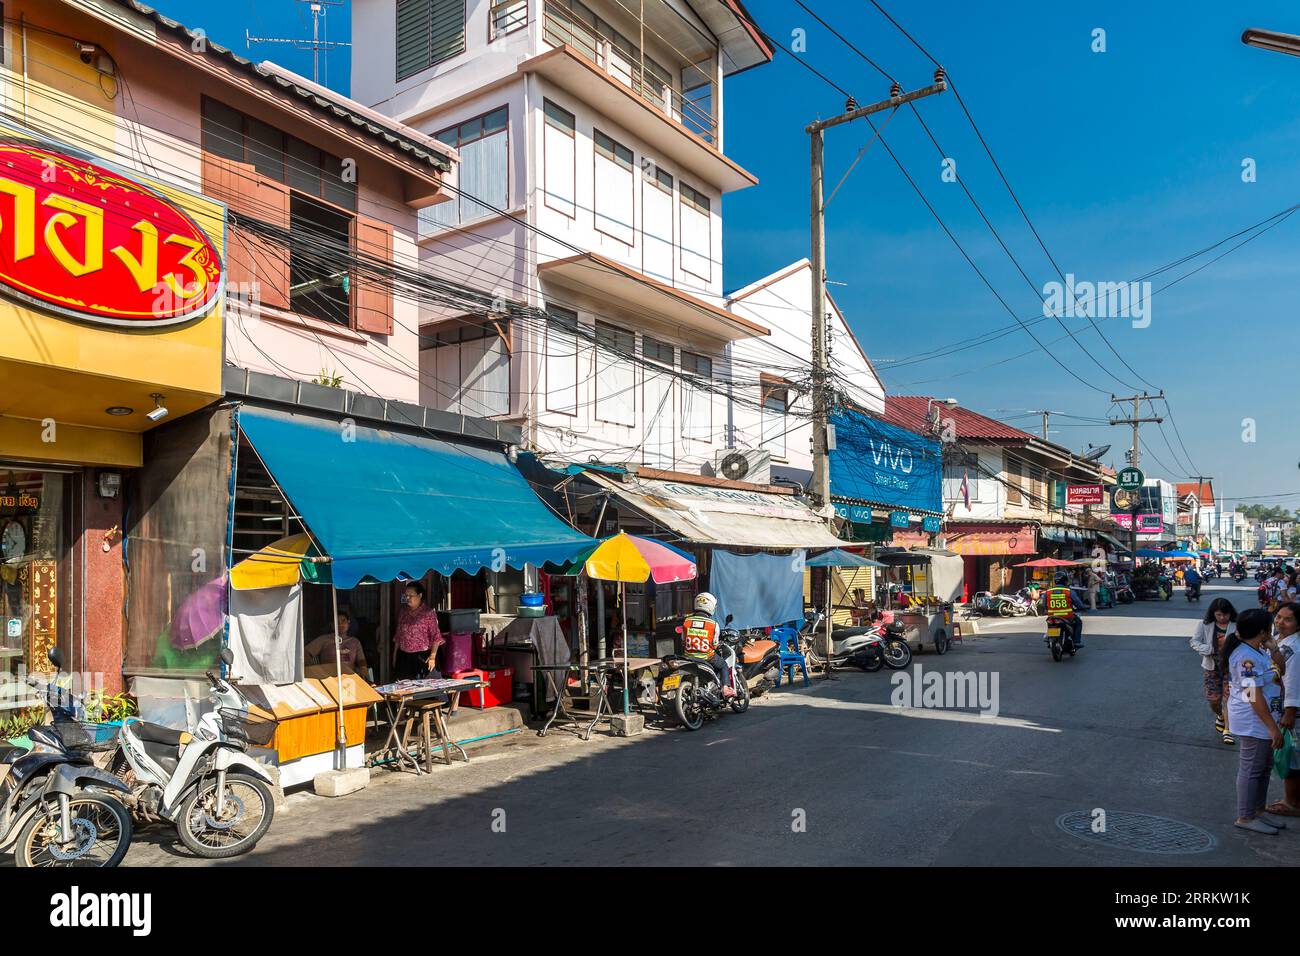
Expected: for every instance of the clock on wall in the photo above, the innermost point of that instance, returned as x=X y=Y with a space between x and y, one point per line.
x=13 y=541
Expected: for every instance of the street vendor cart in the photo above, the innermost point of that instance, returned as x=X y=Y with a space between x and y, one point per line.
x=920 y=585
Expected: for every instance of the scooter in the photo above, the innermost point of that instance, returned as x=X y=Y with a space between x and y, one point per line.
x=760 y=657
x=218 y=797
x=52 y=806
x=1124 y=594
x=1018 y=604
x=1060 y=636
x=688 y=691
x=1193 y=592
x=882 y=643
x=1238 y=576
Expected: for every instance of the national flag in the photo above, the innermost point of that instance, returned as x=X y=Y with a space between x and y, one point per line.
x=965 y=488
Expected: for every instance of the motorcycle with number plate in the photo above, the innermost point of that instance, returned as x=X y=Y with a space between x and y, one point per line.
x=218 y=797
x=688 y=691
x=881 y=643
x=1061 y=626
x=56 y=807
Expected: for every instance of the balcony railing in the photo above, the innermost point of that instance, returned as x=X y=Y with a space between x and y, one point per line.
x=688 y=98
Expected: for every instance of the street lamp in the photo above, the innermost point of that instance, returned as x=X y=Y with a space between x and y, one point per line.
x=932 y=413
x=1272 y=40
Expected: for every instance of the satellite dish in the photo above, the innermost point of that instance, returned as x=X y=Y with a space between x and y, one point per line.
x=1094 y=454
x=735 y=466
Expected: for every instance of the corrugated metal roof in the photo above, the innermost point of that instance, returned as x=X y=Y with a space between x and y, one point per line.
x=335 y=108
x=909 y=411
x=1186 y=488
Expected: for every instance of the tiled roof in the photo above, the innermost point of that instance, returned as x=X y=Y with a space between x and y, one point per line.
x=1186 y=488
x=909 y=411
x=335 y=105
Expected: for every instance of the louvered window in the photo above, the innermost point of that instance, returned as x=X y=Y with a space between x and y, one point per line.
x=428 y=32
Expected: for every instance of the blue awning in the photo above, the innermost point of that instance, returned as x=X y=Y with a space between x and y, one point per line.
x=385 y=504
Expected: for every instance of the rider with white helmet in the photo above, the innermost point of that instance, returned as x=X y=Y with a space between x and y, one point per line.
x=700 y=633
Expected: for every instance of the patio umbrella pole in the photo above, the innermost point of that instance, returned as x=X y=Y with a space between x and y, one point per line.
x=830 y=642
x=622 y=596
x=341 y=744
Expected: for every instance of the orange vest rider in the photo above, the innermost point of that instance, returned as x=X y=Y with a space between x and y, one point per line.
x=1060 y=602
x=699 y=636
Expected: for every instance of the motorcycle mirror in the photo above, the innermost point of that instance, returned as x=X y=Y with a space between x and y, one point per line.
x=730 y=618
x=56 y=657
x=227 y=656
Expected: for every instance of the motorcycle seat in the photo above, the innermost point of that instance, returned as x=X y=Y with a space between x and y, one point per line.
x=840 y=633
x=158 y=734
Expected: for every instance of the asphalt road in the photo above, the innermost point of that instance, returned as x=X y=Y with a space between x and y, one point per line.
x=836 y=774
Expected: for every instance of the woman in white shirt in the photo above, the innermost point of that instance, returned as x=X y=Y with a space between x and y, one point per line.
x=1220 y=621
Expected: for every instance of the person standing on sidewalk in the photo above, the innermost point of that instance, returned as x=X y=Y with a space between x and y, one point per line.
x=1254 y=709
x=1287 y=625
x=1220 y=622
x=1094 y=584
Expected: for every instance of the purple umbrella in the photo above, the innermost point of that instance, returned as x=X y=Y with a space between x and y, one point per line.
x=202 y=616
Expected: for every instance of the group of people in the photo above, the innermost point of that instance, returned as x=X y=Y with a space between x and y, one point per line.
x=1278 y=588
x=1252 y=686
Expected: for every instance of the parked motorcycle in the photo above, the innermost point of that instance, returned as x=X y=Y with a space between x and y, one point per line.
x=46 y=811
x=759 y=658
x=882 y=643
x=1124 y=593
x=218 y=797
x=688 y=690
x=1060 y=637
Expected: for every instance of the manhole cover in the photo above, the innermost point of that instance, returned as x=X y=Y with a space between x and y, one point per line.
x=1137 y=831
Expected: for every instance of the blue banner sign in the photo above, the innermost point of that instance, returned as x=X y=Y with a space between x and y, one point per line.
x=932 y=525
x=899 y=519
x=881 y=463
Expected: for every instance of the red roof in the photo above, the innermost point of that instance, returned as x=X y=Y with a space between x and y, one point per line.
x=909 y=411
x=1186 y=488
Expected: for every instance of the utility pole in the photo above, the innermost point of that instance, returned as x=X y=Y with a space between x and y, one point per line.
x=1200 y=486
x=820 y=490
x=315 y=44
x=1135 y=453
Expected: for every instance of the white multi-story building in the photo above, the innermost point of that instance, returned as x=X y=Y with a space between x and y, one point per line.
x=591 y=181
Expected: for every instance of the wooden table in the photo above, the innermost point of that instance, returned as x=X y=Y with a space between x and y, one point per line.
x=419 y=702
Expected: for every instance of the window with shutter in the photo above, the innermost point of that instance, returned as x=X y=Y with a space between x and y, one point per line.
x=428 y=32
x=697 y=233
x=615 y=375
x=558 y=161
x=657 y=224
x=483 y=143
x=372 y=299
x=1012 y=470
x=561 y=360
x=613 y=197
x=697 y=397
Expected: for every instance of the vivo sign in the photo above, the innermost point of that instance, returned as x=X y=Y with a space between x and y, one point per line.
x=881 y=463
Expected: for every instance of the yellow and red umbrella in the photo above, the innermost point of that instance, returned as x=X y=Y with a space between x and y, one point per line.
x=629 y=559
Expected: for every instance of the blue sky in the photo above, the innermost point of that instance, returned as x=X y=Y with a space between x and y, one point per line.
x=1125 y=160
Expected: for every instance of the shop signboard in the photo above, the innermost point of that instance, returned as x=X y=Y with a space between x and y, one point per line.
x=89 y=244
x=932 y=524
x=1085 y=495
x=899 y=519
x=1131 y=479
x=881 y=463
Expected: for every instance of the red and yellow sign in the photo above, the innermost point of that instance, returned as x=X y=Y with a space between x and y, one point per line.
x=80 y=240
x=973 y=540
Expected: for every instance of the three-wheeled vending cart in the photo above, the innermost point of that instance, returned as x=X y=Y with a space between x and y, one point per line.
x=920 y=585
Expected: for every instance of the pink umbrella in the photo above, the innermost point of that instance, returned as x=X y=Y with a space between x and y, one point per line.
x=201 y=617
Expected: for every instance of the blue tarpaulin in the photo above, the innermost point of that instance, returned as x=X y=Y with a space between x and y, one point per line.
x=385 y=504
x=758 y=590
x=883 y=464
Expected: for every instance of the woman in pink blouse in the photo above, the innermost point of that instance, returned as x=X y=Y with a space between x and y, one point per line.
x=417 y=638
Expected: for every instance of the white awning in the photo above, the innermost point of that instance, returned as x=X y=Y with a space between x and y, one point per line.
x=715 y=514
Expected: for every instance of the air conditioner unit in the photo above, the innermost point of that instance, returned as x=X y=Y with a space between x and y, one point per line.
x=753 y=465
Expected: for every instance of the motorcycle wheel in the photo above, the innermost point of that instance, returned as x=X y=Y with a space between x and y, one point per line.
x=870 y=660
x=1057 y=650
x=898 y=654
x=740 y=703
x=101 y=834
x=242 y=824
x=1004 y=610
x=690 y=712
x=942 y=643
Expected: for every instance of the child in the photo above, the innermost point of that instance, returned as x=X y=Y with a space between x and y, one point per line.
x=1254 y=708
